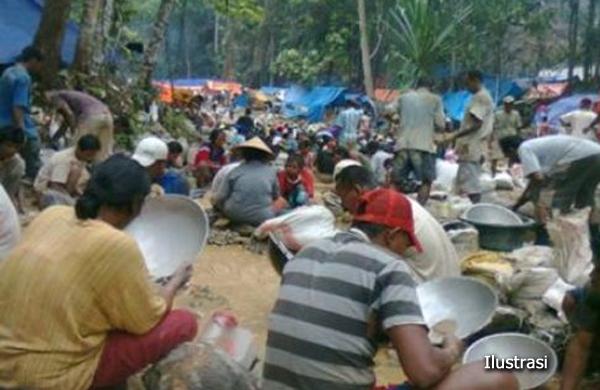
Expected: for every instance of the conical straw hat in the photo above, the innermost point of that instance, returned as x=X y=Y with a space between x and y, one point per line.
x=255 y=143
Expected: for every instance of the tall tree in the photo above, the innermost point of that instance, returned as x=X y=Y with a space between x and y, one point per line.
x=156 y=40
x=87 y=35
x=573 y=31
x=364 y=48
x=49 y=37
x=590 y=35
x=103 y=31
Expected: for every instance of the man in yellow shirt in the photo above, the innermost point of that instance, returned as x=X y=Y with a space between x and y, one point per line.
x=78 y=308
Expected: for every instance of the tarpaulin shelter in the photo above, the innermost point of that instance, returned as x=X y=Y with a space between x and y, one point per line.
x=224 y=86
x=546 y=91
x=560 y=107
x=311 y=103
x=19 y=20
x=455 y=104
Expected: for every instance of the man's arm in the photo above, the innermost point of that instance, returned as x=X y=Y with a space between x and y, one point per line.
x=535 y=182
x=576 y=359
x=477 y=123
x=73 y=179
x=424 y=364
x=20 y=101
x=64 y=109
x=18 y=113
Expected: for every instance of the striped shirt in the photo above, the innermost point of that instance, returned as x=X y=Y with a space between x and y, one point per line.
x=336 y=296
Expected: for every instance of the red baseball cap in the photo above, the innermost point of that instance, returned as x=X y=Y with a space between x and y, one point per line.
x=389 y=208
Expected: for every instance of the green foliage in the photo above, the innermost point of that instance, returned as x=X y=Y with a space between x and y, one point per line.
x=244 y=10
x=296 y=66
x=423 y=35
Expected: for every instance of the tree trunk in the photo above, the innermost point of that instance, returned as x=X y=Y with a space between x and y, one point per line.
x=364 y=47
x=589 y=41
x=573 y=30
x=229 y=61
x=216 y=36
x=87 y=33
x=156 y=40
x=184 y=51
x=103 y=34
x=49 y=37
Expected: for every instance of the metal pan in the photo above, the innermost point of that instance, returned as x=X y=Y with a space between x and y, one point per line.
x=467 y=301
x=170 y=230
x=509 y=345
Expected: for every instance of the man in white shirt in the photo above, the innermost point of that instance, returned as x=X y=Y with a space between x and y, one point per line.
x=349 y=120
x=563 y=171
x=578 y=122
x=64 y=177
x=507 y=122
x=476 y=126
x=421 y=114
x=438 y=258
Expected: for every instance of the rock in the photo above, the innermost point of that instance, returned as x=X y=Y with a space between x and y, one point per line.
x=198 y=366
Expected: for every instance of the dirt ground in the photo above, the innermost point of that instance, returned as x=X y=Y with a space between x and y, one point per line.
x=236 y=279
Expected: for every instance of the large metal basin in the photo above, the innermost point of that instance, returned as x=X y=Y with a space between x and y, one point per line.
x=500 y=229
x=491 y=214
x=170 y=230
x=467 y=301
x=509 y=345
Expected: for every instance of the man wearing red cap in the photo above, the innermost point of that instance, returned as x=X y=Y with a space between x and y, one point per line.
x=438 y=258
x=340 y=294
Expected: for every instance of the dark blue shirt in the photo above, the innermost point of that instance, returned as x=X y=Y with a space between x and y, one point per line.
x=15 y=91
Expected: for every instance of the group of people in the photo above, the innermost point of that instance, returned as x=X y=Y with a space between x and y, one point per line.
x=79 y=310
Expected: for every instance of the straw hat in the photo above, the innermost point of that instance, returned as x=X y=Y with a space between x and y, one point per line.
x=255 y=143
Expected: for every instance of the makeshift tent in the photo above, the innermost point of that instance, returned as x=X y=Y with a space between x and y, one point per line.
x=546 y=91
x=386 y=95
x=311 y=104
x=19 y=20
x=560 y=107
x=224 y=86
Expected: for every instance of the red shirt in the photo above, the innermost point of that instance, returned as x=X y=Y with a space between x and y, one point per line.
x=209 y=155
x=286 y=186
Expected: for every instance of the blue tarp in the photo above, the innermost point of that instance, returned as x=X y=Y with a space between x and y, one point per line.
x=560 y=107
x=242 y=100
x=455 y=103
x=190 y=82
x=312 y=103
x=19 y=20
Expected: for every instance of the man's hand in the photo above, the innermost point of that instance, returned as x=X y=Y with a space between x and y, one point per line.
x=182 y=275
x=542 y=213
x=445 y=138
x=454 y=346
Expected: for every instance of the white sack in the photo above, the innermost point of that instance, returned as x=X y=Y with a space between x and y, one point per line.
x=300 y=227
x=572 y=251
